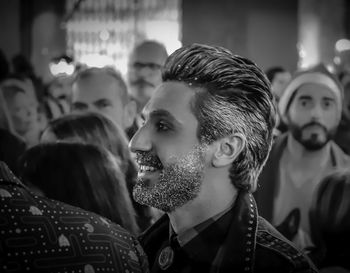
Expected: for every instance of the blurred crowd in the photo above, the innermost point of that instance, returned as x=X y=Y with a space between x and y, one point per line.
x=67 y=141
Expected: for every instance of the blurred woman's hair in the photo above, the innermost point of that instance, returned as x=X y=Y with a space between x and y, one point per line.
x=94 y=128
x=330 y=218
x=83 y=175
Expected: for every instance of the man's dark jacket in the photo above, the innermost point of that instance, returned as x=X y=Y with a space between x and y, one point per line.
x=251 y=244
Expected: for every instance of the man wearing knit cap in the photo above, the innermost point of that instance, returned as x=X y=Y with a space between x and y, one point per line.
x=311 y=107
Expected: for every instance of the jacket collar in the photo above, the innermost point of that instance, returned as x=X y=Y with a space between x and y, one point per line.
x=239 y=247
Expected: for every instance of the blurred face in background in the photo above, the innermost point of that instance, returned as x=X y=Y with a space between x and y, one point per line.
x=101 y=94
x=23 y=111
x=144 y=72
x=61 y=88
x=313 y=116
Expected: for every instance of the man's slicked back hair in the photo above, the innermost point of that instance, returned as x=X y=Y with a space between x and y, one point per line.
x=232 y=95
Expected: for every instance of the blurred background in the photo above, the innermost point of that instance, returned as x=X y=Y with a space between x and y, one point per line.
x=289 y=33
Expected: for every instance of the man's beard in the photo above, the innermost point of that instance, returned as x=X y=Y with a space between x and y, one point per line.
x=179 y=182
x=315 y=141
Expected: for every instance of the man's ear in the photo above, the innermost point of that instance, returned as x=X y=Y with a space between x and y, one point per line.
x=228 y=149
x=130 y=112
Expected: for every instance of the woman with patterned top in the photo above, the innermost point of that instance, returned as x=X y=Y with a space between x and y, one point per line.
x=38 y=234
x=82 y=175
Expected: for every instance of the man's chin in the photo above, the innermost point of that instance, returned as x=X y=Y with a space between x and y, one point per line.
x=312 y=145
x=140 y=190
x=145 y=194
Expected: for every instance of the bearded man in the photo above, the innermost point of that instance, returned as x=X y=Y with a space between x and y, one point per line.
x=311 y=106
x=206 y=133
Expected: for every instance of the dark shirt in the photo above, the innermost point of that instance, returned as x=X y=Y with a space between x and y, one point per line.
x=199 y=246
x=38 y=234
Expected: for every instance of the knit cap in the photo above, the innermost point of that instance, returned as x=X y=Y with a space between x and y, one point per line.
x=318 y=74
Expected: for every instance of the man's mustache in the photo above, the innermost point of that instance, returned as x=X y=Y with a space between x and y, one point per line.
x=142 y=82
x=148 y=159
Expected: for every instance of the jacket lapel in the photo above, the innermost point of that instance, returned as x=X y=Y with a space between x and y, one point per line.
x=238 y=249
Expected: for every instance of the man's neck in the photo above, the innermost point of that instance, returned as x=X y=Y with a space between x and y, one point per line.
x=209 y=203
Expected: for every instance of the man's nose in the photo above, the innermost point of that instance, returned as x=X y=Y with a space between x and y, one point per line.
x=140 y=141
x=316 y=111
x=144 y=72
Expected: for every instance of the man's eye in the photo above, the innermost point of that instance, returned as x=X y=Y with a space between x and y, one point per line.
x=304 y=103
x=162 y=126
x=154 y=66
x=327 y=104
x=103 y=105
x=138 y=66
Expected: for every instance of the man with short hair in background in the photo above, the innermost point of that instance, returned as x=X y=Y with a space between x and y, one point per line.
x=103 y=90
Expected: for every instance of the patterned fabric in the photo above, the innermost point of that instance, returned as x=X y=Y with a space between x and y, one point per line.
x=38 y=234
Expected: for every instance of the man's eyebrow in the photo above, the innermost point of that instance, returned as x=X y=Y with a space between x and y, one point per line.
x=328 y=98
x=79 y=103
x=102 y=101
x=160 y=113
x=305 y=97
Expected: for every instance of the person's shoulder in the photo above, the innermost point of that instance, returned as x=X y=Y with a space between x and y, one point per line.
x=60 y=228
x=153 y=237
x=274 y=253
x=342 y=159
x=155 y=232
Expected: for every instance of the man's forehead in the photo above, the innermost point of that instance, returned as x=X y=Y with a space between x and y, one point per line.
x=97 y=79
x=148 y=55
x=174 y=97
x=98 y=87
x=315 y=90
